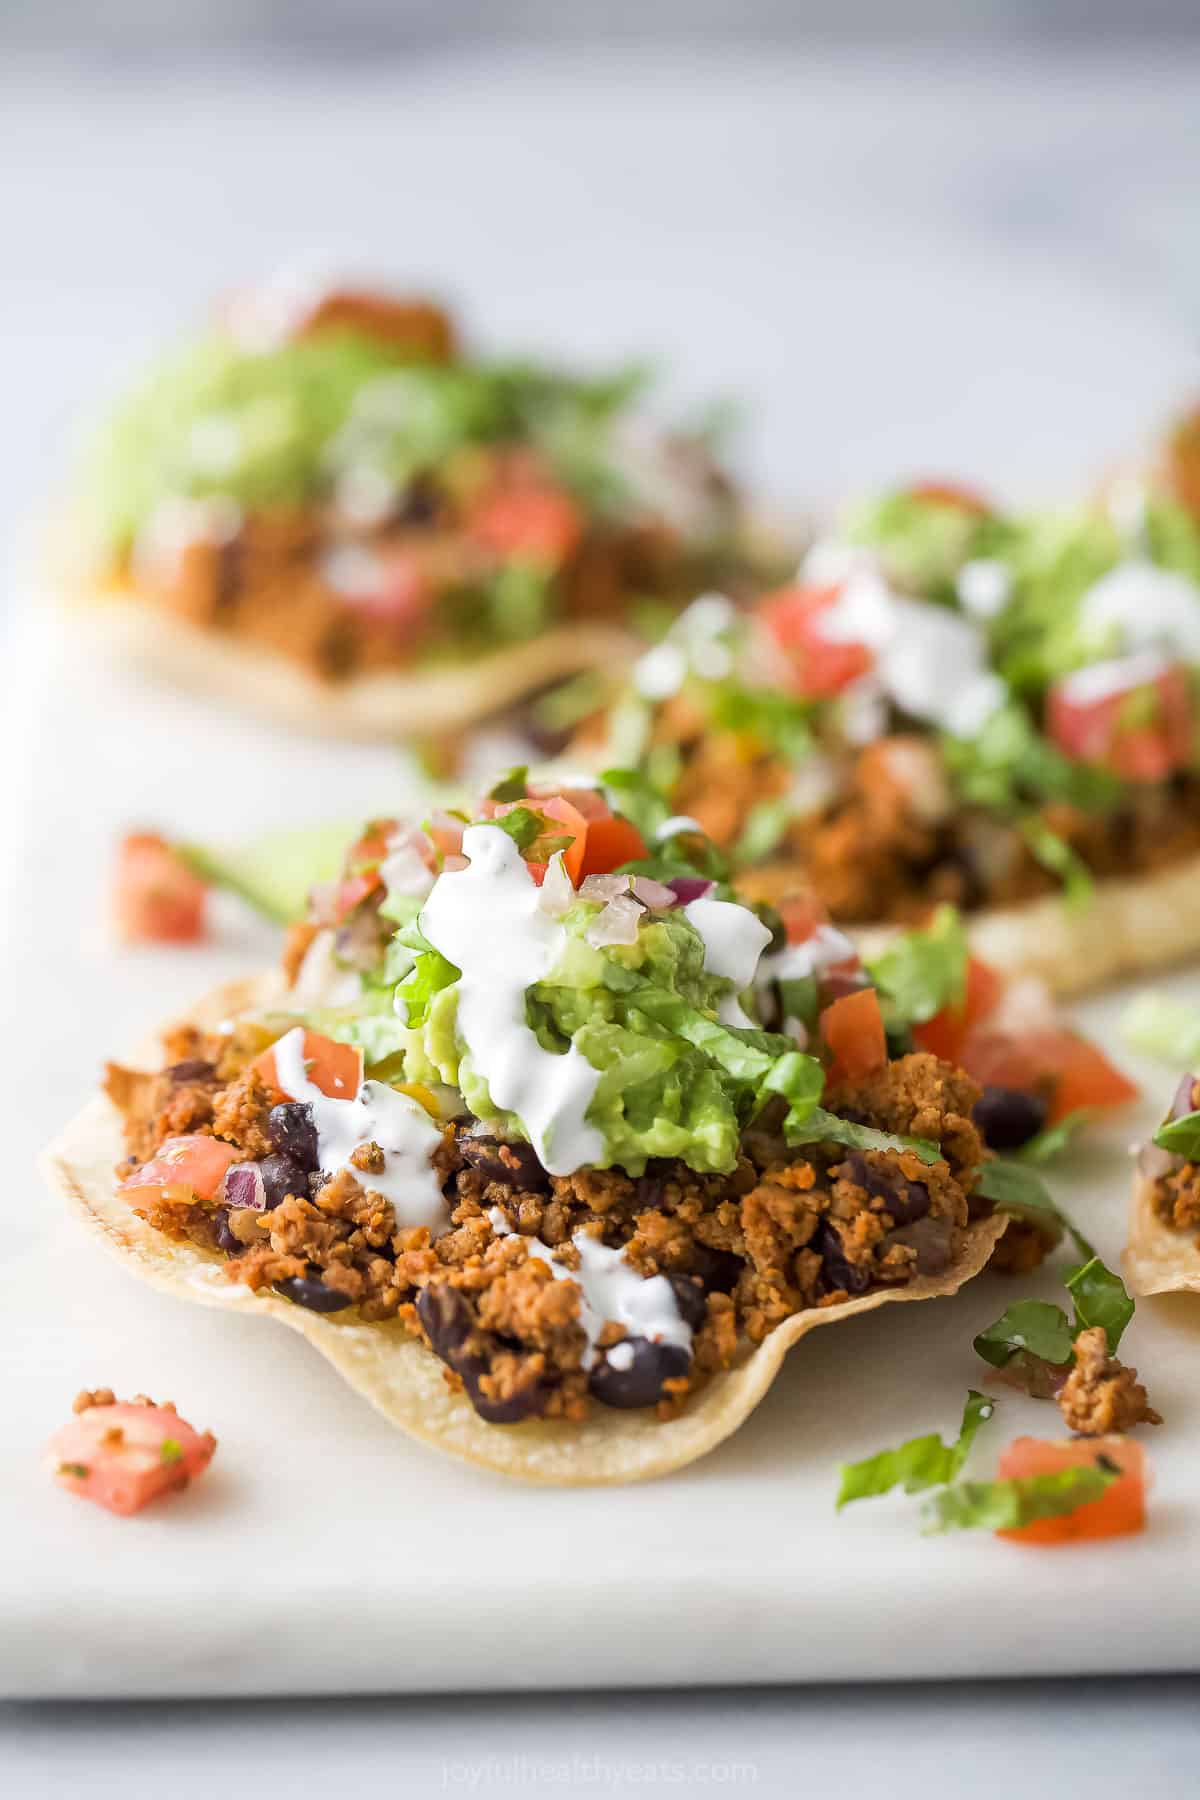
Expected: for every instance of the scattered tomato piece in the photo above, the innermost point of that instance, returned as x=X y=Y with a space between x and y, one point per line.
x=1142 y=727
x=952 y=493
x=822 y=666
x=538 y=522
x=335 y=1068
x=123 y=1454
x=1120 y=1509
x=853 y=1029
x=362 y=875
x=156 y=898
x=1072 y=1072
x=195 y=1164
x=611 y=842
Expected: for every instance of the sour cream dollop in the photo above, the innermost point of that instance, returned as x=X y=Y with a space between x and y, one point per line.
x=377 y=1114
x=930 y=662
x=1146 y=608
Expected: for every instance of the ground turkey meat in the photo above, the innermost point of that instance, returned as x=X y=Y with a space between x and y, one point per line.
x=1100 y=1394
x=786 y=1229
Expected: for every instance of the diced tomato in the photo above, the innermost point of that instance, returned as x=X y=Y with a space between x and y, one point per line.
x=945 y=1033
x=574 y=825
x=952 y=493
x=802 y=915
x=1073 y=1072
x=823 y=666
x=446 y=833
x=399 y=599
x=124 y=1455
x=1142 y=727
x=588 y=801
x=1084 y=1075
x=335 y=1068
x=1120 y=1509
x=156 y=899
x=194 y=1164
x=539 y=522
x=853 y=1029
x=611 y=842
x=362 y=868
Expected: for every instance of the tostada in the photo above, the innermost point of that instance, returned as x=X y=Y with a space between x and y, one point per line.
x=326 y=507
x=548 y=1142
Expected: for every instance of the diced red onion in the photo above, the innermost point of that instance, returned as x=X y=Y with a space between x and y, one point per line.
x=603 y=887
x=687 y=888
x=1182 y=1105
x=243 y=1187
x=617 y=924
x=557 y=893
x=654 y=894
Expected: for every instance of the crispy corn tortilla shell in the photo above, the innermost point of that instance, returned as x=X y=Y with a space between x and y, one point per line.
x=1128 y=927
x=398 y=1375
x=394 y=703
x=1158 y=1259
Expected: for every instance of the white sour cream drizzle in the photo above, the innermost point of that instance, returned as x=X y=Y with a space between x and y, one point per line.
x=1146 y=607
x=611 y=1289
x=1100 y=681
x=825 y=949
x=486 y=920
x=377 y=1114
x=734 y=939
x=930 y=662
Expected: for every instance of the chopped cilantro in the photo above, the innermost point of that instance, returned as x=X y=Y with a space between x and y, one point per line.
x=1008 y=1505
x=170 y=1451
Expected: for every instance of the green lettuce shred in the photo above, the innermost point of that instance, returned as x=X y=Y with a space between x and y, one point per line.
x=922 y=1462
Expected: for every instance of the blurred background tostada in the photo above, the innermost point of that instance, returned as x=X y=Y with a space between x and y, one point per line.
x=328 y=484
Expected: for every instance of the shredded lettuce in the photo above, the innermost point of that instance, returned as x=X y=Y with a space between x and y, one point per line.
x=765 y=829
x=922 y=1462
x=922 y=971
x=1163 y=1027
x=1008 y=1505
x=819 y=1126
x=1056 y=855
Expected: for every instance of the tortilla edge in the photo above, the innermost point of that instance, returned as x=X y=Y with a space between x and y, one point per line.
x=406 y=1383
x=1158 y=1259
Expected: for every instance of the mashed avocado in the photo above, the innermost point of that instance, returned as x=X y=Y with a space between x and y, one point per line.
x=674 y=1080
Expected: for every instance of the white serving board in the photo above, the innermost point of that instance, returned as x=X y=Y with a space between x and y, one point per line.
x=324 y=1553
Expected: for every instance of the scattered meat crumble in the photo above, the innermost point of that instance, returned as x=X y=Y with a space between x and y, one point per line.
x=1100 y=1395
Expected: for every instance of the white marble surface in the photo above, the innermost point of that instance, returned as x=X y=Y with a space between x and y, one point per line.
x=984 y=268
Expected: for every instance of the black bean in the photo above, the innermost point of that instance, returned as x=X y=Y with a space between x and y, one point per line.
x=510 y=1165
x=931 y=1239
x=292 y=1129
x=448 y=1320
x=717 y=1269
x=281 y=1176
x=689 y=1298
x=307 y=1290
x=194 y=1069
x=225 y=1238
x=1009 y=1117
x=905 y=1200
x=836 y=1269
x=641 y=1384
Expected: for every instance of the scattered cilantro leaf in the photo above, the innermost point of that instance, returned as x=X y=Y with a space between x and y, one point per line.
x=1181 y=1135
x=79 y=1470
x=1101 y=1298
x=1037 y=1328
x=922 y=1462
x=170 y=1451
